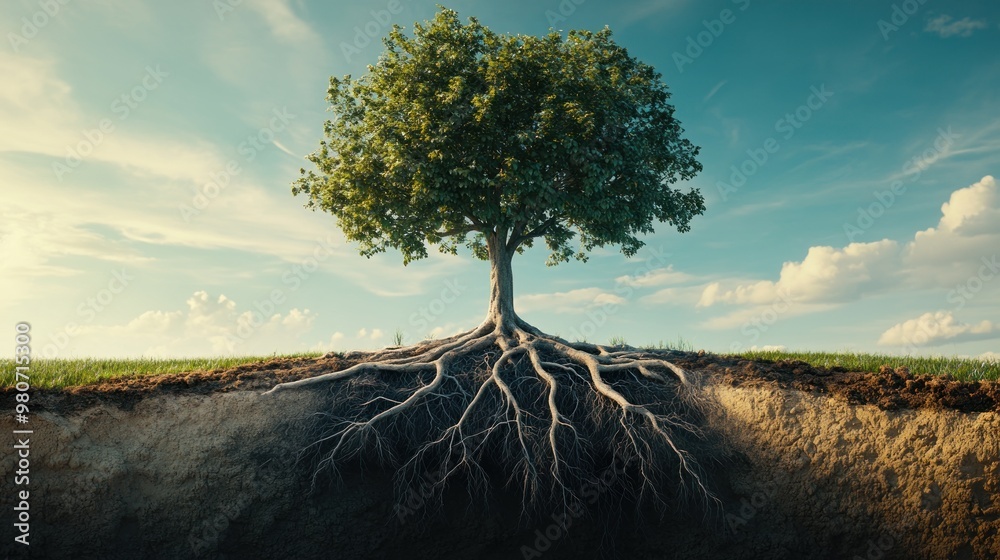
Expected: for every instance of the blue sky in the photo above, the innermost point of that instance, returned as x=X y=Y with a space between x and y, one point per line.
x=849 y=153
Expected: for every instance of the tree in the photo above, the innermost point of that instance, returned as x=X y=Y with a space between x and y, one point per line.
x=459 y=136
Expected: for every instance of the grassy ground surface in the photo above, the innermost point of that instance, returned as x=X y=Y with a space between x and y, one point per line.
x=962 y=369
x=49 y=374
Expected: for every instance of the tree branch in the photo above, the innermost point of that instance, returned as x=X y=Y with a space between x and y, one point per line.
x=515 y=241
x=473 y=225
x=456 y=231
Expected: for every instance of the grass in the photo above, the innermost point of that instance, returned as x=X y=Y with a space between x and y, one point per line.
x=54 y=374
x=59 y=373
x=679 y=344
x=963 y=369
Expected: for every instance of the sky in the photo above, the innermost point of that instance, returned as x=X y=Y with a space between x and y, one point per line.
x=850 y=154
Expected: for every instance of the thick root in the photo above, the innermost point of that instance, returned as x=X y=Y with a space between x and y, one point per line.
x=547 y=413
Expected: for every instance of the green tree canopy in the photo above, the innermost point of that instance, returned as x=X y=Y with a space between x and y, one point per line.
x=459 y=135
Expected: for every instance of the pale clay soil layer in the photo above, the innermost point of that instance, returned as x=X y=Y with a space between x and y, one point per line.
x=213 y=476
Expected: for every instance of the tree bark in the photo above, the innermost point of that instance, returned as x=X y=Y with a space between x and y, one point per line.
x=501 y=310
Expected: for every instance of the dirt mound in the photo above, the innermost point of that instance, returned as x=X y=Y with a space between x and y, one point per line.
x=889 y=389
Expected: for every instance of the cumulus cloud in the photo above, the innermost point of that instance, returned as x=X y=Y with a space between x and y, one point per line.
x=573 y=301
x=683 y=295
x=825 y=275
x=946 y=26
x=207 y=325
x=363 y=338
x=935 y=329
x=340 y=341
x=972 y=210
x=446 y=330
x=374 y=334
x=759 y=317
x=659 y=277
x=962 y=247
x=968 y=231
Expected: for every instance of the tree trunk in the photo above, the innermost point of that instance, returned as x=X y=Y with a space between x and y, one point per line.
x=501 y=311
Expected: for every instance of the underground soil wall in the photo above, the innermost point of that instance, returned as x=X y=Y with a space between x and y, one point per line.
x=215 y=476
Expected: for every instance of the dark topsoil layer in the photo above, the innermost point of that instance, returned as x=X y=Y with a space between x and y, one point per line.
x=888 y=389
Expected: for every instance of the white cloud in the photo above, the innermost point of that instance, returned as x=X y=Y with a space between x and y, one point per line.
x=37 y=109
x=935 y=329
x=971 y=211
x=373 y=334
x=967 y=233
x=50 y=229
x=826 y=275
x=39 y=114
x=961 y=248
x=155 y=322
x=946 y=26
x=757 y=317
x=446 y=330
x=282 y=21
x=333 y=343
x=364 y=338
x=653 y=278
x=206 y=326
x=573 y=301
x=243 y=53
x=685 y=295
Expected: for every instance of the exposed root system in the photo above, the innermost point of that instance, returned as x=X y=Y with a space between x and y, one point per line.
x=546 y=414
